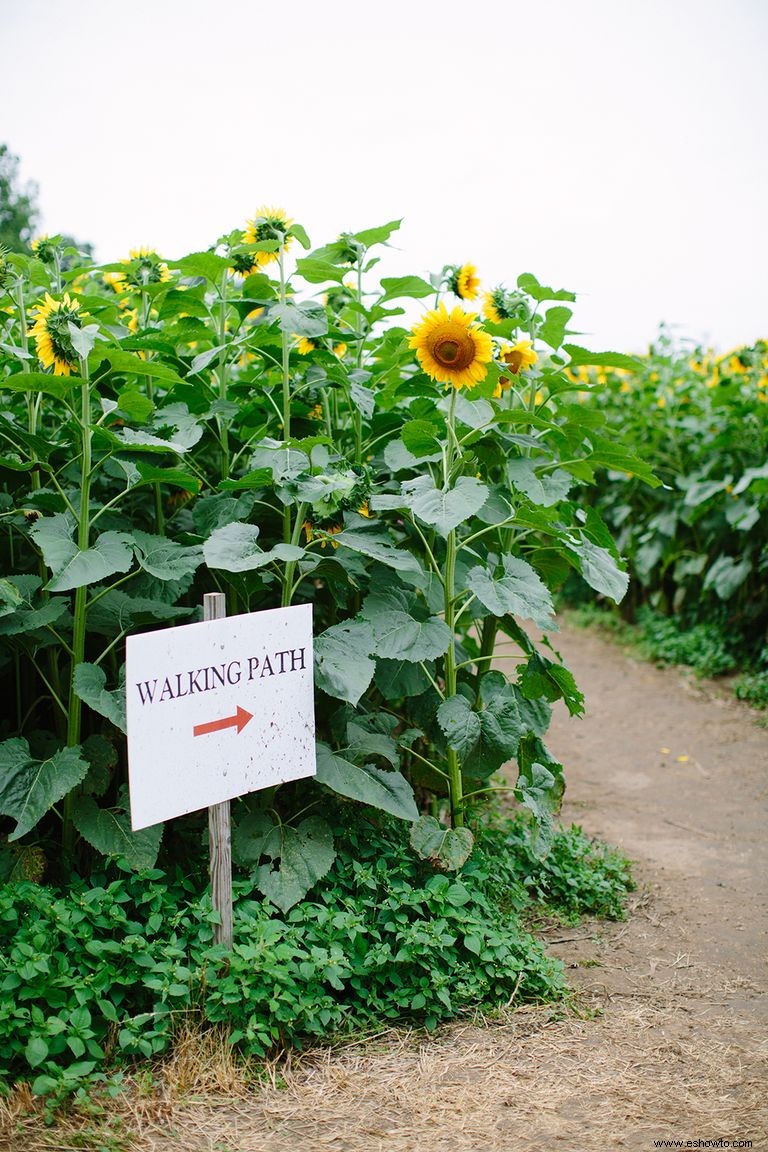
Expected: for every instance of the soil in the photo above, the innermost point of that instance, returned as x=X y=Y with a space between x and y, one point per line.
x=667 y=1037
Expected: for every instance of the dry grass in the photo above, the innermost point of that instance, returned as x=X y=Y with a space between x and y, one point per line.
x=533 y=1080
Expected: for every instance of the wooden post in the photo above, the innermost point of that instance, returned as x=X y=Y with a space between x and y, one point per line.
x=219 y=832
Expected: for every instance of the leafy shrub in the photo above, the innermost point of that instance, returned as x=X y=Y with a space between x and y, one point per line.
x=703 y=647
x=100 y=975
x=753 y=689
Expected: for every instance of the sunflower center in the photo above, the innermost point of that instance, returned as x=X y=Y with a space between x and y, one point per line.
x=57 y=326
x=454 y=351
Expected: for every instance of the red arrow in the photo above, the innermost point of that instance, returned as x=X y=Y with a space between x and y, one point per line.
x=239 y=721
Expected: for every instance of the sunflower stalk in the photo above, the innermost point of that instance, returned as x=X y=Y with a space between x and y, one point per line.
x=156 y=492
x=455 y=782
x=221 y=372
x=357 y=416
x=288 y=570
x=74 y=704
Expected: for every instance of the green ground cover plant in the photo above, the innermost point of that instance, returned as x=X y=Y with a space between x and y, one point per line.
x=102 y=975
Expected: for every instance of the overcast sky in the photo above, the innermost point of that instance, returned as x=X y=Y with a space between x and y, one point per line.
x=614 y=147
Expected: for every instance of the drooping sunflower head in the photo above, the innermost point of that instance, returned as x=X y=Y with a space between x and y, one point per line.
x=348 y=250
x=451 y=348
x=338 y=297
x=44 y=247
x=268 y=224
x=519 y=356
x=52 y=335
x=6 y=270
x=144 y=266
x=463 y=281
x=243 y=263
x=499 y=305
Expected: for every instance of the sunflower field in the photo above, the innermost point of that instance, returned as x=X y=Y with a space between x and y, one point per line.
x=696 y=545
x=255 y=419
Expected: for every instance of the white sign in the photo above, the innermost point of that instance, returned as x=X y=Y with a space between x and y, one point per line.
x=218 y=709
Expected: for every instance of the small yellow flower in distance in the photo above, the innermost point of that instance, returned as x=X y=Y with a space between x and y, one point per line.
x=464 y=281
x=268 y=224
x=309 y=533
x=315 y=413
x=340 y=351
x=451 y=348
x=364 y=510
x=304 y=346
x=519 y=356
x=52 y=337
x=254 y=313
x=661 y=402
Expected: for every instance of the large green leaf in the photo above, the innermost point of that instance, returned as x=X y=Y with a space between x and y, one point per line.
x=29 y=787
x=233 y=548
x=726 y=575
x=528 y=282
x=73 y=567
x=298 y=857
x=555 y=325
x=444 y=509
x=389 y=791
x=89 y=683
x=518 y=591
x=397 y=679
x=343 y=664
x=399 y=286
x=166 y=559
x=205 y=264
x=306 y=319
x=116 y=612
x=543 y=678
x=398 y=636
x=379 y=547
x=600 y=569
x=444 y=848
x=317 y=271
x=460 y=724
x=487 y=737
x=543 y=488
x=108 y=830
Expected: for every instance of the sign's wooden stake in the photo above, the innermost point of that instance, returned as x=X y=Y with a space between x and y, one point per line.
x=219 y=831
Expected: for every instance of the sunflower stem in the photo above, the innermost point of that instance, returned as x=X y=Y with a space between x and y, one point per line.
x=455 y=782
x=286 y=381
x=222 y=375
x=357 y=416
x=74 y=705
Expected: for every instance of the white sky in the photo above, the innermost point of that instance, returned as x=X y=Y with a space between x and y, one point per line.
x=614 y=147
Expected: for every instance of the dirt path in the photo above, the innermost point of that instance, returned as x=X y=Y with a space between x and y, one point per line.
x=670 y=1042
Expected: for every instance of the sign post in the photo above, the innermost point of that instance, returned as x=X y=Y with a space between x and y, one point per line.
x=215 y=710
x=219 y=829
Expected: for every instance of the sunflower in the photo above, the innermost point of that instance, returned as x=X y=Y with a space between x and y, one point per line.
x=463 y=280
x=52 y=335
x=267 y=224
x=499 y=305
x=304 y=346
x=143 y=267
x=520 y=355
x=44 y=248
x=451 y=348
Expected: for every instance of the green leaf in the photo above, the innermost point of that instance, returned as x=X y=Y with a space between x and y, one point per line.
x=299 y=232
x=205 y=264
x=380 y=235
x=543 y=678
x=364 y=399
x=543 y=488
x=611 y=455
x=71 y=567
x=29 y=787
x=36 y=1051
x=538 y=790
x=398 y=286
x=726 y=575
x=600 y=569
x=175 y=477
x=553 y=329
x=444 y=509
x=135 y=405
x=131 y=364
x=10 y=597
x=378 y=547
x=389 y=791
x=460 y=724
x=420 y=438
x=108 y=830
x=306 y=319
x=304 y=854
x=89 y=684
x=58 y=386
x=398 y=636
x=318 y=271
x=233 y=548
x=520 y=591
x=445 y=848
x=398 y=679
x=343 y=664
x=528 y=282
x=582 y=356
x=166 y=559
